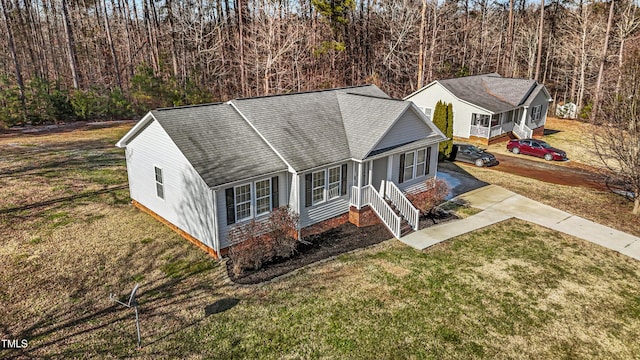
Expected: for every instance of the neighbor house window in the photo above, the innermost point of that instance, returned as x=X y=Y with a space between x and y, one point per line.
x=535 y=113
x=159 y=183
x=318 y=182
x=263 y=197
x=495 y=120
x=243 y=202
x=334 y=183
x=428 y=111
x=414 y=164
x=480 y=120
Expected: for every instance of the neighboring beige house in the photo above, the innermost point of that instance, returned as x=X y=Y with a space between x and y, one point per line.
x=489 y=108
x=204 y=169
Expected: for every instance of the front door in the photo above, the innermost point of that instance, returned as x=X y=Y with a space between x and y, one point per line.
x=379 y=172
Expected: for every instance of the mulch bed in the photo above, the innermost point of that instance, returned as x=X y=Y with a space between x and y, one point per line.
x=344 y=238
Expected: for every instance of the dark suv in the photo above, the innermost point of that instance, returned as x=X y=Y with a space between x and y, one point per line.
x=474 y=155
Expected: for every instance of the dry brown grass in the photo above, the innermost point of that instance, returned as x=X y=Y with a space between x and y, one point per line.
x=574 y=137
x=602 y=207
x=513 y=290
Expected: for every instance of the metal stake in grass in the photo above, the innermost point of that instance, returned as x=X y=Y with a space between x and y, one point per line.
x=133 y=303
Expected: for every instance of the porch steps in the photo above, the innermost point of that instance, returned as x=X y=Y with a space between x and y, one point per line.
x=405 y=227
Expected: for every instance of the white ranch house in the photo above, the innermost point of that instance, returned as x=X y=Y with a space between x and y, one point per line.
x=488 y=108
x=204 y=169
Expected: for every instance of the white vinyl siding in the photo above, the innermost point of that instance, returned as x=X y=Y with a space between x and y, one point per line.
x=159 y=182
x=188 y=201
x=317 y=183
x=409 y=127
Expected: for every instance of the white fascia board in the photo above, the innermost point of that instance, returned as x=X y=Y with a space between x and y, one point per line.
x=393 y=152
x=248 y=179
x=420 y=90
x=122 y=143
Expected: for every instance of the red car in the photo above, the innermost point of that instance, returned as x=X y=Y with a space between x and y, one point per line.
x=537 y=148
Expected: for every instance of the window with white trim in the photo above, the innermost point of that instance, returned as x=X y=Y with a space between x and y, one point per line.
x=409 y=165
x=428 y=111
x=334 y=183
x=263 y=197
x=535 y=113
x=415 y=164
x=421 y=160
x=242 y=202
x=317 y=186
x=159 y=182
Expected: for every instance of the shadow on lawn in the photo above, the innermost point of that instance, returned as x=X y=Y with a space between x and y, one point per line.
x=160 y=302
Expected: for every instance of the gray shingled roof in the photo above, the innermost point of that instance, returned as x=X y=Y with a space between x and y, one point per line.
x=228 y=141
x=372 y=113
x=491 y=91
x=216 y=141
x=306 y=128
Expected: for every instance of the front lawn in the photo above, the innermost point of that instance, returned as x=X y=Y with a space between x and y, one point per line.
x=512 y=290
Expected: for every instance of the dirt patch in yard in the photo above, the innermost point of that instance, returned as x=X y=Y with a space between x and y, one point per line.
x=342 y=239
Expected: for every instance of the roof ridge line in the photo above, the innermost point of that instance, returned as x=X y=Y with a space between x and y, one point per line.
x=230 y=102
x=188 y=106
x=302 y=92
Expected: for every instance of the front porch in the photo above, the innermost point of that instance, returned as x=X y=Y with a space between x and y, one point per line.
x=380 y=184
x=489 y=129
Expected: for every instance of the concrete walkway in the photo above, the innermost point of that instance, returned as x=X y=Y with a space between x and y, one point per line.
x=498 y=204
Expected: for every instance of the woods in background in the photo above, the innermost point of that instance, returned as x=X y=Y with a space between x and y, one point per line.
x=88 y=59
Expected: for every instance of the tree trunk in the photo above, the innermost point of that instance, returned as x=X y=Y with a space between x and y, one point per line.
x=421 y=49
x=507 y=70
x=14 y=56
x=107 y=30
x=603 y=60
x=71 y=47
x=540 y=32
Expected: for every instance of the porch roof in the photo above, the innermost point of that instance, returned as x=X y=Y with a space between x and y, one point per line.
x=432 y=139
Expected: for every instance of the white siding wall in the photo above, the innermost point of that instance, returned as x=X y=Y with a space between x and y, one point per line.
x=408 y=128
x=188 y=202
x=430 y=96
x=327 y=210
x=223 y=228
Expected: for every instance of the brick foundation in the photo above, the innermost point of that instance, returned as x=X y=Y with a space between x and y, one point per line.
x=538 y=132
x=363 y=217
x=324 y=225
x=181 y=232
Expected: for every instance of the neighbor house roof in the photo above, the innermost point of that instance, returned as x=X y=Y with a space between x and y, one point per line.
x=492 y=91
x=249 y=137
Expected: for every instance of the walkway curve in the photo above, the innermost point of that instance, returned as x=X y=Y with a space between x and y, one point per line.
x=499 y=204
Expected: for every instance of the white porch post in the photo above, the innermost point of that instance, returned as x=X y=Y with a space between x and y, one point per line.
x=390 y=168
x=370 y=171
x=359 y=175
x=524 y=117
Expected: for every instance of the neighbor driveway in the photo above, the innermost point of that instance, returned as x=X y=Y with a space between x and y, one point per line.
x=498 y=204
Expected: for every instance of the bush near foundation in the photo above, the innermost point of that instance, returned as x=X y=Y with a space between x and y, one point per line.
x=427 y=201
x=260 y=242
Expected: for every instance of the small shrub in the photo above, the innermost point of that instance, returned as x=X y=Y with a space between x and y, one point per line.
x=258 y=243
x=283 y=223
x=427 y=201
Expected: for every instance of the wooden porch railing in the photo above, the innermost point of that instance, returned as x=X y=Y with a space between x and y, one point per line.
x=401 y=203
x=367 y=195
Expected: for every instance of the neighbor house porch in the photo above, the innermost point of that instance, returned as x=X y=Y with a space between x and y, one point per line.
x=521 y=122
